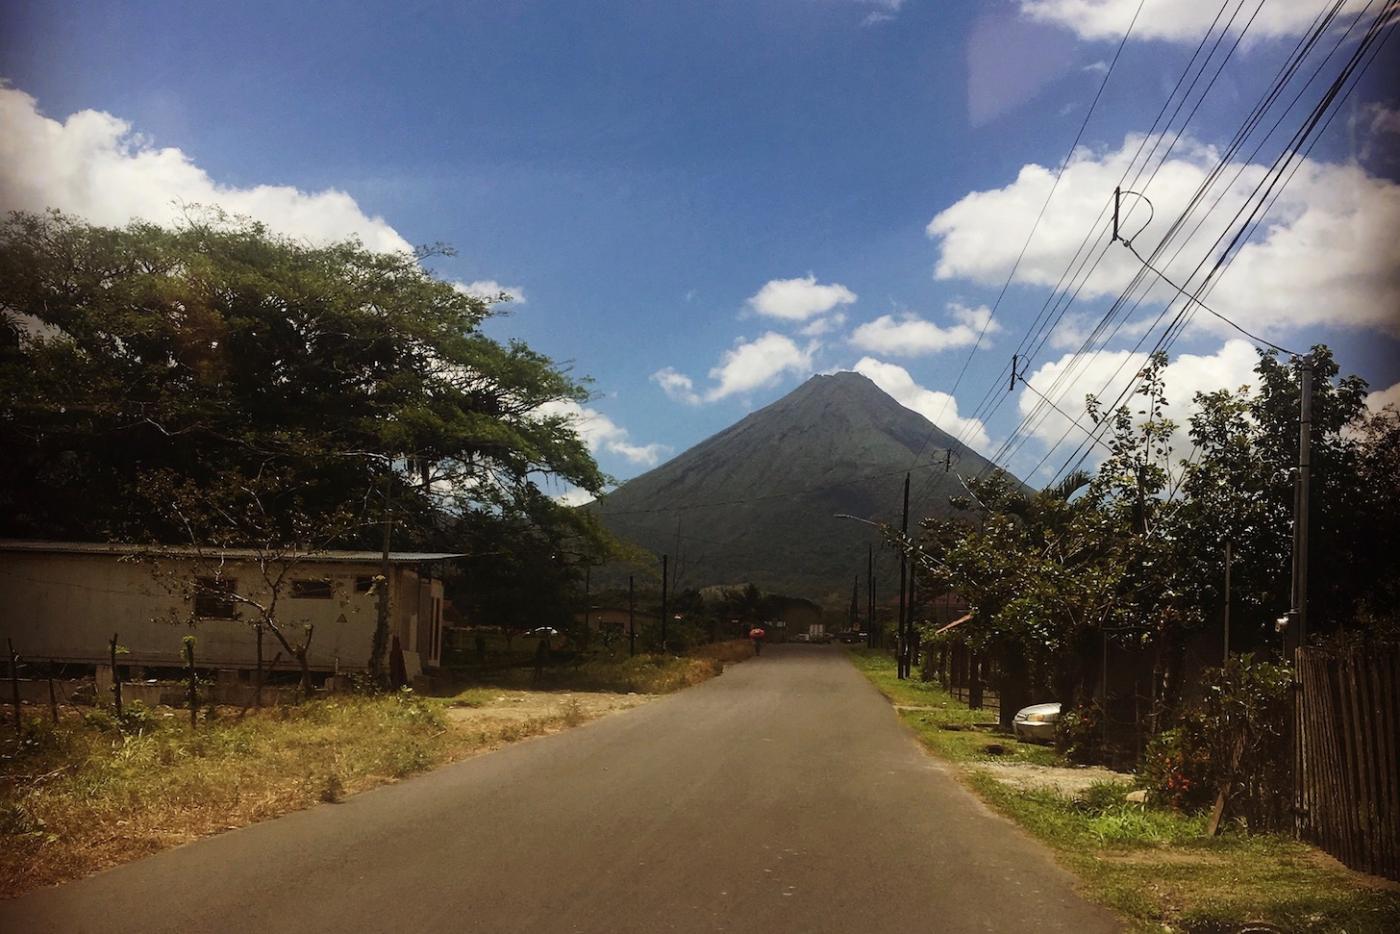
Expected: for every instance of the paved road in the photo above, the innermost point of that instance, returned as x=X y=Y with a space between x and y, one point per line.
x=784 y=796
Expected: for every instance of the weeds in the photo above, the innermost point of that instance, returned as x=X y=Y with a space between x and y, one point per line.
x=1155 y=866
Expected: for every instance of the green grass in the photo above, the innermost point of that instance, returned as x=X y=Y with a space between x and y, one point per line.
x=1154 y=866
x=944 y=723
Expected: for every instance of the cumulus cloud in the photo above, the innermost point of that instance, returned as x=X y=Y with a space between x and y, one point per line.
x=938 y=407
x=676 y=385
x=911 y=336
x=824 y=325
x=799 y=299
x=1327 y=253
x=750 y=365
x=602 y=433
x=1069 y=379
x=1173 y=20
x=96 y=166
x=490 y=289
x=746 y=366
x=1382 y=398
x=574 y=496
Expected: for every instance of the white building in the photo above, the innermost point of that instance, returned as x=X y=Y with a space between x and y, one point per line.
x=63 y=601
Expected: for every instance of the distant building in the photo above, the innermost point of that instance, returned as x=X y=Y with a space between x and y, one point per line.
x=62 y=602
x=616 y=619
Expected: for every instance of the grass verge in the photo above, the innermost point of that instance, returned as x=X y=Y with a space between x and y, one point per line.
x=1154 y=866
x=92 y=792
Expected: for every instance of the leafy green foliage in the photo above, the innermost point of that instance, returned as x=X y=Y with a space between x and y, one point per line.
x=1240 y=721
x=216 y=349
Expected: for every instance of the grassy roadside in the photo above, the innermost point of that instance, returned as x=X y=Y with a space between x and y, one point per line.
x=89 y=792
x=1154 y=866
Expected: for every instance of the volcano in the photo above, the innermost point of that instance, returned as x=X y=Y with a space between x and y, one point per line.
x=757 y=502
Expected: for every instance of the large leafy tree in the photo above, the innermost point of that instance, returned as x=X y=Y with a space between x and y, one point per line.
x=219 y=348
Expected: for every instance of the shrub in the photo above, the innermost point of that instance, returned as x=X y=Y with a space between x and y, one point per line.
x=1243 y=712
x=1079 y=734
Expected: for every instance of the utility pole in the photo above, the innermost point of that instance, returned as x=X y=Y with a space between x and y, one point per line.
x=851 y=624
x=631 y=617
x=381 y=624
x=665 y=565
x=587 y=594
x=870 y=596
x=1226 y=656
x=913 y=640
x=902 y=666
x=1300 y=519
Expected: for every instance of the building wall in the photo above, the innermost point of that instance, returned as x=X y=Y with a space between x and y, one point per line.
x=66 y=607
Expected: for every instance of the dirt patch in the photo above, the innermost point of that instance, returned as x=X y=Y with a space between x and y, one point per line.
x=524 y=706
x=1066 y=780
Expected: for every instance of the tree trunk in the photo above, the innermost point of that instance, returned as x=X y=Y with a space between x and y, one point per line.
x=974 y=681
x=1015 y=682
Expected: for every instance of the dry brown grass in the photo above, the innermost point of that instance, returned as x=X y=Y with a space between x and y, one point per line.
x=730 y=652
x=88 y=794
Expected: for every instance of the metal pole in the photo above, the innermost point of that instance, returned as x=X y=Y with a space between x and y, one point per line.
x=631 y=617
x=665 y=573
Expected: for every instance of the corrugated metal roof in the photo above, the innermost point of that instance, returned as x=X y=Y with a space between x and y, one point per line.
x=189 y=551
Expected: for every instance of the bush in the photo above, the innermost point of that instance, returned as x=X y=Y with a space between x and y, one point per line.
x=1079 y=734
x=1243 y=712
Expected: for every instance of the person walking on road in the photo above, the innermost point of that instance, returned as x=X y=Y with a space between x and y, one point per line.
x=757 y=635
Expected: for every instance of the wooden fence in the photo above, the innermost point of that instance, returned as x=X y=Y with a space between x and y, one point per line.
x=1347 y=757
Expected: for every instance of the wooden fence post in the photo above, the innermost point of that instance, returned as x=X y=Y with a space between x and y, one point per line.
x=116 y=677
x=53 y=698
x=14 y=686
x=194 y=693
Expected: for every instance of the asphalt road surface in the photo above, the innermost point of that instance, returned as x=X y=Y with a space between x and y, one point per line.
x=783 y=796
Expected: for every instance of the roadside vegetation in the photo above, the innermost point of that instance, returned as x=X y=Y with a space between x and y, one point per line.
x=1154 y=865
x=96 y=790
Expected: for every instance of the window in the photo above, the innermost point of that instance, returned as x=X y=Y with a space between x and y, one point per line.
x=312 y=589
x=210 y=601
x=364 y=584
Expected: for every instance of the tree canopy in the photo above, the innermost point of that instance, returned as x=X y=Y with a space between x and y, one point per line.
x=218 y=348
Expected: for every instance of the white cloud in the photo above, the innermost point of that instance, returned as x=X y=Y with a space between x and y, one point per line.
x=1381 y=398
x=751 y=365
x=824 y=325
x=94 y=165
x=676 y=385
x=1327 y=253
x=911 y=336
x=938 y=407
x=1174 y=20
x=885 y=10
x=799 y=299
x=746 y=366
x=574 y=496
x=602 y=433
x=1106 y=374
x=489 y=289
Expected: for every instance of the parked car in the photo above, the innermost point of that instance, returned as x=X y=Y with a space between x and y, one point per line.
x=1036 y=723
x=801 y=637
x=851 y=637
x=821 y=638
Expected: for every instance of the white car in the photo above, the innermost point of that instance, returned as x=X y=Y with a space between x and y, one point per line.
x=1036 y=723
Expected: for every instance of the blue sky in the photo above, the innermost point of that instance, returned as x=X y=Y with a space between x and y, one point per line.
x=640 y=171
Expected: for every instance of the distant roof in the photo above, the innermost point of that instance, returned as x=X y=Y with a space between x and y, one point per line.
x=117 y=548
